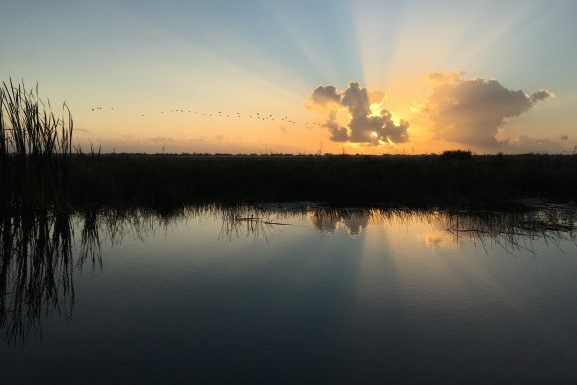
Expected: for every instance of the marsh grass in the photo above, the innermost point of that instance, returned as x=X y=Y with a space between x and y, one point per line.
x=35 y=150
x=165 y=182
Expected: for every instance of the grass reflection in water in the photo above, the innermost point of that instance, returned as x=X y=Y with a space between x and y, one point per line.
x=40 y=251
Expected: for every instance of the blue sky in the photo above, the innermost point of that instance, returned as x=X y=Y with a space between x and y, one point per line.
x=138 y=60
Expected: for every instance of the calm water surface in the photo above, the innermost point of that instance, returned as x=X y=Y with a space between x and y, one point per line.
x=251 y=295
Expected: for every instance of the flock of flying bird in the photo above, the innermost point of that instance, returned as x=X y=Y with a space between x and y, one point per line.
x=224 y=115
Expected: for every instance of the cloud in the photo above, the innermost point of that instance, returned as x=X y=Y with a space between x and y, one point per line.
x=324 y=95
x=162 y=140
x=446 y=77
x=472 y=111
x=541 y=95
x=526 y=144
x=364 y=126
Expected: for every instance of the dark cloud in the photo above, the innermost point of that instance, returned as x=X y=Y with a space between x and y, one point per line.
x=540 y=95
x=324 y=95
x=338 y=133
x=471 y=111
x=363 y=127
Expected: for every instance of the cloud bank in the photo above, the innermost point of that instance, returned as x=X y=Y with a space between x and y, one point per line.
x=364 y=126
x=472 y=111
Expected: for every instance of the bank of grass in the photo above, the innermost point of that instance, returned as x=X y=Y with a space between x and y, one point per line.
x=157 y=181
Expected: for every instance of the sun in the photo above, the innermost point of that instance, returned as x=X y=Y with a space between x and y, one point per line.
x=376 y=109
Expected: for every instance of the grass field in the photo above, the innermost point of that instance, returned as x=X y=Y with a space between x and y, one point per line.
x=159 y=181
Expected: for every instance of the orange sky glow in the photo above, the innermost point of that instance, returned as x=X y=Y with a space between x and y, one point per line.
x=488 y=77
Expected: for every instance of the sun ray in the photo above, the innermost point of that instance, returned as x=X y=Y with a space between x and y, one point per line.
x=377 y=32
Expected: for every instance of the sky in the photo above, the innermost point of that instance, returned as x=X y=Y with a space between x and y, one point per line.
x=296 y=76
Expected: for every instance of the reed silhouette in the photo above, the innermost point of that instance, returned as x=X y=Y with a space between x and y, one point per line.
x=35 y=151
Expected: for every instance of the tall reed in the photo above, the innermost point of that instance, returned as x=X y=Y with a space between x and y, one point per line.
x=35 y=150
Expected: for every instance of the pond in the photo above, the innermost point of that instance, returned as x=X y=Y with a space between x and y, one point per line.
x=303 y=294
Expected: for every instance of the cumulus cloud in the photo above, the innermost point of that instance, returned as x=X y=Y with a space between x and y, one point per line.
x=363 y=126
x=472 y=111
x=324 y=95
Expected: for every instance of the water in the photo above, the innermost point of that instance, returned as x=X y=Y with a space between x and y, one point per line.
x=248 y=295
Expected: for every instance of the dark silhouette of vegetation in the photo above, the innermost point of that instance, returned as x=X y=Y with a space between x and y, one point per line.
x=162 y=182
x=457 y=154
x=35 y=151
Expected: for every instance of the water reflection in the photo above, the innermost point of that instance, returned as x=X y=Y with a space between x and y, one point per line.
x=41 y=251
x=250 y=222
x=509 y=230
x=514 y=231
x=329 y=220
x=36 y=269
